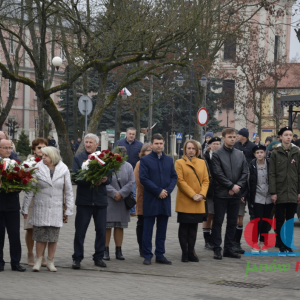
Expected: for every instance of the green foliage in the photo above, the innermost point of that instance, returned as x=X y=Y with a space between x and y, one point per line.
x=23 y=147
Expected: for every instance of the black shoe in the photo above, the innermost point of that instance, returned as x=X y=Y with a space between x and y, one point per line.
x=100 y=263
x=163 y=260
x=184 y=257
x=1 y=268
x=147 y=261
x=76 y=264
x=18 y=268
x=106 y=254
x=217 y=253
x=237 y=248
x=141 y=252
x=193 y=258
x=208 y=246
x=230 y=253
x=119 y=254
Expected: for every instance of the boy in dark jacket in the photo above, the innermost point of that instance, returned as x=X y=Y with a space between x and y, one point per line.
x=259 y=196
x=284 y=179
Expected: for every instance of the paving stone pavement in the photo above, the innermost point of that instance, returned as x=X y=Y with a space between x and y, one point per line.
x=130 y=279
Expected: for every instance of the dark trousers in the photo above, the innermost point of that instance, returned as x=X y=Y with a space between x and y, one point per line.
x=221 y=206
x=161 y=230
x=139 y=230
x=284 y=212
x=187 y=235
x=261 y=211
x=82 y=221
x=10 y=219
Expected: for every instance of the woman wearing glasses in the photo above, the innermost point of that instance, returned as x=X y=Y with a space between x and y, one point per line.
x=36 y=146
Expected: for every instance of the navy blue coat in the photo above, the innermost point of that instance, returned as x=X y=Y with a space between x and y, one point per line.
x=85 y=194
x=156 y=175
x=133 y=150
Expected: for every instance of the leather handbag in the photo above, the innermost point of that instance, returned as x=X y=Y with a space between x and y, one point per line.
x=129 y=200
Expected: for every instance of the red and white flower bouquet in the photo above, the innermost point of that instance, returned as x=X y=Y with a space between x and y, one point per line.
x=99 y=164
x=16 y=177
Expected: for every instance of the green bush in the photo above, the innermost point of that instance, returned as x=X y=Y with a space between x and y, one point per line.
x=23 y=147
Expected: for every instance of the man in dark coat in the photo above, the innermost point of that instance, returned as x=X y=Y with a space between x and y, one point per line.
x=158 y=176
x=90 y=202
x=230 y=174
x=77 y=144
x=244 y=144
x=133 y=148
x=10 y=216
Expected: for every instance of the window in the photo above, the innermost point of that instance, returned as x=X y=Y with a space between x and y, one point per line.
x=62 y=54
x=277 y=48
x=11 y=44
x=230 y=48
x=228 y=94
x=36 y=124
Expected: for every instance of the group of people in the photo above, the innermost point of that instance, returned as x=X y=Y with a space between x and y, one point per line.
x=212 y=180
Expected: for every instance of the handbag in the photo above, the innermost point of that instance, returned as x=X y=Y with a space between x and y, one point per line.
x=65 y=217
x=129 y=200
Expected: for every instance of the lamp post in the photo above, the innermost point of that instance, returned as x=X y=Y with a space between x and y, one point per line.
x=203 y=83
x=57 y=62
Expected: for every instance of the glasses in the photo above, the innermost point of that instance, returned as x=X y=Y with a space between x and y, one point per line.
x=7 y=148
x=39 y=147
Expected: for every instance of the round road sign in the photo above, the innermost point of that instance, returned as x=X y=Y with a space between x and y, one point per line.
x=202 y=116
x=85 y=105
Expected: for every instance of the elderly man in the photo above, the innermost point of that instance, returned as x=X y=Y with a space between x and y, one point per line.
x=133 y=148
x=90 y=202
x=10 y=216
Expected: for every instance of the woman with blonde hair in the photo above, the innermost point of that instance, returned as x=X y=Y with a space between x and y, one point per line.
x=192 y=182
x=47 y=215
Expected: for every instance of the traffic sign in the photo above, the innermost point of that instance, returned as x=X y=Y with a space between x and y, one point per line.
x=254 y=135
x=85 y=105
x=202 y=116
x=179 y=136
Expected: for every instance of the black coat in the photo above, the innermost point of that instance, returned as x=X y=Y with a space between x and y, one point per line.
x=85 y=194
x=253 y=179
x=210 y=192
x=229 y=167
x=247 y=149
x=10 y=201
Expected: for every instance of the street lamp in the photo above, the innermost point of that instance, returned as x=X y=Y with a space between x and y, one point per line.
x=57 y=62
x=180 y=80
x=124 y=94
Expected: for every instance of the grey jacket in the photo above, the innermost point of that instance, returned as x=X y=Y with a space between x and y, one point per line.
x=229 y=167
x=116 y=210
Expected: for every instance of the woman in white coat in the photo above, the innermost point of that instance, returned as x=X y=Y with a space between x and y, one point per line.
x=47 y=216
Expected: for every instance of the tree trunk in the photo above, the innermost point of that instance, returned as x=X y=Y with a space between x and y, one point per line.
x=46 y=125
x=118 y=119
x=41 y=118
x=63 y=138
x=11 y=97
x=75 y=113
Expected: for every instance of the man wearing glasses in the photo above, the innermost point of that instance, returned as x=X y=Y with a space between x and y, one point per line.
x=10 y=216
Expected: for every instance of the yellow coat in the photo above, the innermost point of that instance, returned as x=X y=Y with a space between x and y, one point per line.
x=188 y=185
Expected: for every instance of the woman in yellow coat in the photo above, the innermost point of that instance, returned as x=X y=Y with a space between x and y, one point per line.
x=192 y=182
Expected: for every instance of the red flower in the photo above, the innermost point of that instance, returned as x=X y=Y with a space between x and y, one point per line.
x=16 y=168
x=3 y=173
x=106 y=151
x=24 y=181
x=92 y=157
x=101 y=155
x=10 y=176
x=37 y=159
x=119 y=158
x=26 y=166
x=1 y=167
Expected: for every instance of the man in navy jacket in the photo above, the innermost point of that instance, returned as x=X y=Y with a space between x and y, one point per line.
x=158 y=176
x=90 y=202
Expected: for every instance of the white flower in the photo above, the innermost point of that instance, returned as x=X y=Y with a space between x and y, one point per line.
x=85 y=165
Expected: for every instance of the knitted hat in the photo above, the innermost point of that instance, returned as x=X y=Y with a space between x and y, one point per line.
x=209 y=133
x=269 y=139
x=244 y=132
